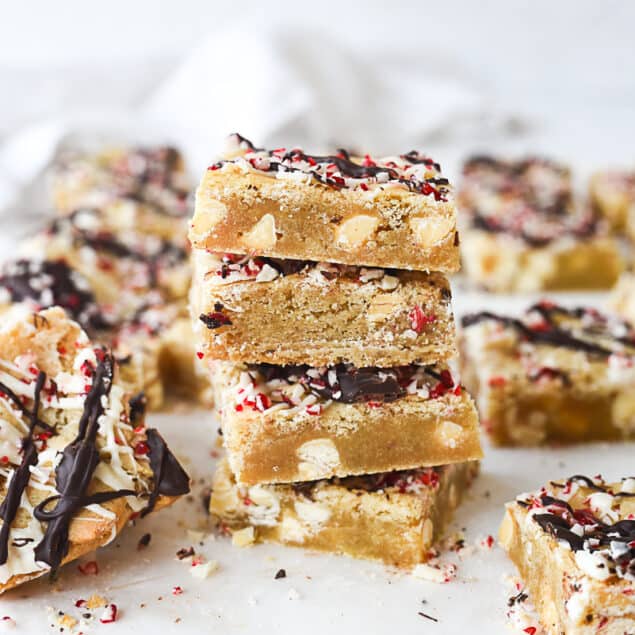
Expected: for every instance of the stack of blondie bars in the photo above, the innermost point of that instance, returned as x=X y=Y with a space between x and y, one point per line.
x=324 y=317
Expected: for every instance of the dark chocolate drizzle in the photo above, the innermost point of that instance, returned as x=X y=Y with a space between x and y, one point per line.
x=551 y=332
x=170 y=479
x=352 y=385
x=348 y=168
x=28 y=279
x=22 y=474
x=167 y=254
x=597 y=534
x=74 y=473
x=530 y=215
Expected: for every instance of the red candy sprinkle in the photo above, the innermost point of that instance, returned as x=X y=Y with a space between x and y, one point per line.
x=177 y=590
x=418 y=319
x=141 y=448
x=89 y=568
x=109 y=615
x=496 y=381
x=200 y=355
x=530 y=630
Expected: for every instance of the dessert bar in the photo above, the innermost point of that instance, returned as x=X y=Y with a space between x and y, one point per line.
x=127 y=270
x=395 y=212
x=573 y=542
x=522 y=231
x=554 y=374
x=395 y=517
x=295 y=423
x=622 y=299
x=140 y=189
x=78 y=461
x=259 y=309
x=612 y=194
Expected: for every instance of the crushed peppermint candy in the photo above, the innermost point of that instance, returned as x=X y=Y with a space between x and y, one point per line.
x=412 y=171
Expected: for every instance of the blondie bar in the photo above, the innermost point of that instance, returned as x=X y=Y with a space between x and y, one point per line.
x=522 y=231
x=395 y=517
x=573 y=542
x=292 y=311
x=127 y=270
x=612 y=194
x=396 y=212
x=77 y=461
x=555 y=374
x=296 y=423
x=140 y=189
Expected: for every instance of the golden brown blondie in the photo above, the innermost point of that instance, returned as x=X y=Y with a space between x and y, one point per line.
x=144 y=189
x=290 y=311
x=294 y=423
x=573 y=542
x=395 y=517
x=612 y=194
x=555 y=374
x=395 y=212
x=522 y=231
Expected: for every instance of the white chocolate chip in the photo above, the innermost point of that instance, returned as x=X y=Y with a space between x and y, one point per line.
x=263 y=234
x=593 y=564
x=244 y=537
x=431 y=231
x=265 y=507
x=450 y=433
x=204 y=570
x=356 y=230
x=427 y=572
x=313 y=513
x=318 y=459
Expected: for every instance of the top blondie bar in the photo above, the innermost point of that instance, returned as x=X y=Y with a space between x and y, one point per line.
x=396 y=212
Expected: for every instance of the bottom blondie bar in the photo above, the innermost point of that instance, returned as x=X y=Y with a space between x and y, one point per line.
x=395 y=517
x=573 y=542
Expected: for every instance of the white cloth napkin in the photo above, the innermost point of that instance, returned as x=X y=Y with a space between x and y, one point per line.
x=277 y=87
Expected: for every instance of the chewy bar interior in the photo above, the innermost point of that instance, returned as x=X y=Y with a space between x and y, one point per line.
x=612 y=194
x=523 y=231
x=395 y=212
x=394 y=517
x=259 y=309
x=141 y=188
x=622 y=299
x=298 y=423
x=554 y=374
x=573 y=542
x=78 y=462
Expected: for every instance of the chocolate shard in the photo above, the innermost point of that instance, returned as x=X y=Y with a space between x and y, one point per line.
x=367 y=384
x=170 y=479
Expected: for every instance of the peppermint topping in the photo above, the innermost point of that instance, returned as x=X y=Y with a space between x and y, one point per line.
x=582 y=329
x=530 y=199
x=229 y=268
x=412 y=171
x=45 y=283
x=152 y=176
x=587 y=515
x=262 y=387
